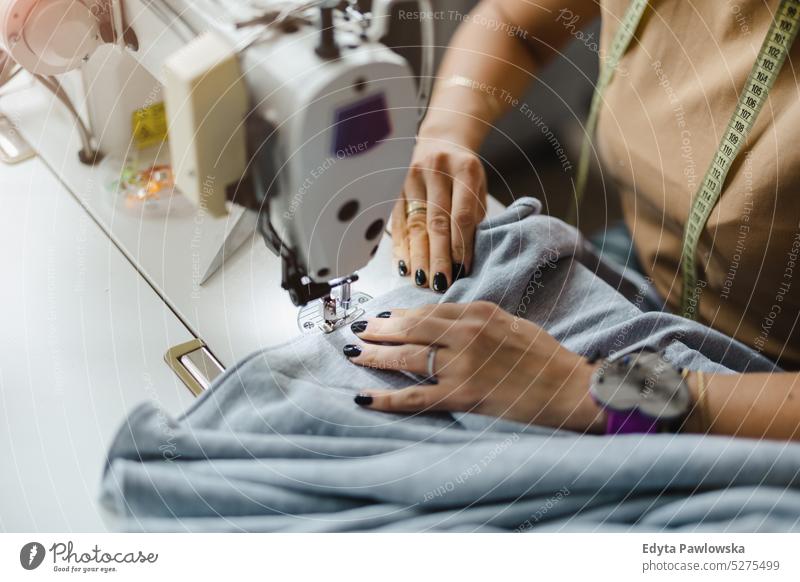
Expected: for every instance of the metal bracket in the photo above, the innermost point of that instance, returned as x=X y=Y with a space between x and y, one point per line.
x=194 y=364
x=13 y=147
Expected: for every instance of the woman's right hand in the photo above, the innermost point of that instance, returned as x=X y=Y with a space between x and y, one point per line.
x=437 y=247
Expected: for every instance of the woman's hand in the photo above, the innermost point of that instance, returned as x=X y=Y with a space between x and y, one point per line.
x=437 y=247
x=487 y=362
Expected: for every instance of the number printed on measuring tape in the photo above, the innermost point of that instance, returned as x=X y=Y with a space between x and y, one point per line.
x=769 y=62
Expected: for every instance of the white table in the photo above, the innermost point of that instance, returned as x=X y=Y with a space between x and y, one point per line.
x=82 y=339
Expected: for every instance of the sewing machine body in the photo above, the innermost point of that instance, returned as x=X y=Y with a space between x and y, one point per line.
x=293 y=110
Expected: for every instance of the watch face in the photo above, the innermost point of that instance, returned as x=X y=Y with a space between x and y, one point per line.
x=645 y=382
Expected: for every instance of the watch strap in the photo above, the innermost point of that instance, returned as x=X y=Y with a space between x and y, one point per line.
x=630 y=422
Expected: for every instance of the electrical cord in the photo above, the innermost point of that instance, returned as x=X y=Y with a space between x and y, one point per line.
x=88 y=154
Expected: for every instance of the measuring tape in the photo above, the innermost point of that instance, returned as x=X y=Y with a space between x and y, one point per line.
x=771 y=56
x=630 y=22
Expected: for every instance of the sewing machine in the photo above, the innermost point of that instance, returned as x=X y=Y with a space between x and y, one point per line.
x=292 y=110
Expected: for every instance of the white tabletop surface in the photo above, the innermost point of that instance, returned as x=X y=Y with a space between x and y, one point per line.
x=82 y=339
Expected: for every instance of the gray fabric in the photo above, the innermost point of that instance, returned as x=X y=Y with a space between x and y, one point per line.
x=278 y=444
x=615 y=246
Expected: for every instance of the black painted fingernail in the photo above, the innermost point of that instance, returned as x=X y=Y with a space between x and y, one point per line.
x=440 y=282
x=402 y=269
x=421 y=278
x=363 y=399
x=359 y=327
x=458 y=271
x=384 y=315
x=352 y=351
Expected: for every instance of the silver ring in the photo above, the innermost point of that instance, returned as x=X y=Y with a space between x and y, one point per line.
x=432 y=362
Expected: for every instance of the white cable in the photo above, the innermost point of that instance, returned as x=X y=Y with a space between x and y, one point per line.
x=89 y=154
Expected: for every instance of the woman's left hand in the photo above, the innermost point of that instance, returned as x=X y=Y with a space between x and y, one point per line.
x=486 y=361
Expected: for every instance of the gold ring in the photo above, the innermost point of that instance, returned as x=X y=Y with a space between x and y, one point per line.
x=416 y=207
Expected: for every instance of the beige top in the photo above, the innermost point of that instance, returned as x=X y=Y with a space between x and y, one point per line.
x=665 y=113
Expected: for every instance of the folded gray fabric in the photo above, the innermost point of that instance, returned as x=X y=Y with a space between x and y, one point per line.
x=277 y=443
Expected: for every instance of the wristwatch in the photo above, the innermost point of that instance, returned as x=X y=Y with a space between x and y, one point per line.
x=641 y=393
